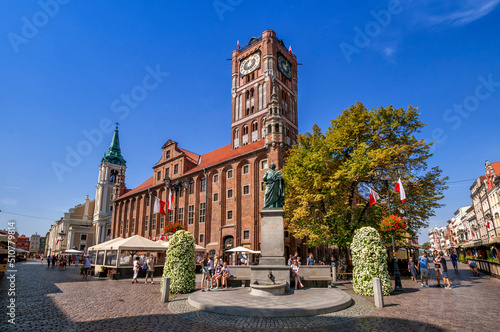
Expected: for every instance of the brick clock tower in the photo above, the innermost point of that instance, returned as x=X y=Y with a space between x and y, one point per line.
x=264 y=95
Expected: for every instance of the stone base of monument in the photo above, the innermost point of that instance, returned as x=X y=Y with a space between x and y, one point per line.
x=239 y=302
x=267 y=289
x=260 y=275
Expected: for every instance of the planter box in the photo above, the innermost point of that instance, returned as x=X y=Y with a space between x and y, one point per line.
x=102 y=274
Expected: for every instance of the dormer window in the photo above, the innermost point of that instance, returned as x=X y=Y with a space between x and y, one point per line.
x=167 y=154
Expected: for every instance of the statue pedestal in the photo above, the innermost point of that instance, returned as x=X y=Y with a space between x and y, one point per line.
x=272 y=249
x=272 y=242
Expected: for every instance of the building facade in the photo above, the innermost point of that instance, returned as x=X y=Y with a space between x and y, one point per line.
x=492 y=173
x=35 y=244
x=218 y=195
x=23 y=242
x=74 y=230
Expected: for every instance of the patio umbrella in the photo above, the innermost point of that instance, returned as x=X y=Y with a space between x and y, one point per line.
x=73 y=252
x=239 y=249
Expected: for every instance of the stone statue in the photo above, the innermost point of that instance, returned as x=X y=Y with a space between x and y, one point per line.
x=274 y=197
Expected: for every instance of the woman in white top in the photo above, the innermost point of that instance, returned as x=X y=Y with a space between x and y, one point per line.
x=137 y=266
x=295 y=272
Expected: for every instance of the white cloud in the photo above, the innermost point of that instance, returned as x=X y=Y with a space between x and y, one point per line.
x=463 y=13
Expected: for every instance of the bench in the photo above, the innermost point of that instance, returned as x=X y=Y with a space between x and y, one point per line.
x=344 y=275
x=241 y=276
x=315 y=275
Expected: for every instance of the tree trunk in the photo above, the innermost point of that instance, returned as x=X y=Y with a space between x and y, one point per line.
x=343 y=259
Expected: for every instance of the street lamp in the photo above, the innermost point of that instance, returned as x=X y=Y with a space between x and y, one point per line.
x=383 y=176
x=177 y=186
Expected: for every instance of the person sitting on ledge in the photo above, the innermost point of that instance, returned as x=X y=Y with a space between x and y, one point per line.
x=225 y=275
x=295 y=272
x=217 y=276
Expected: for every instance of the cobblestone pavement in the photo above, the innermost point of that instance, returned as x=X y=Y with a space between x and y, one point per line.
x=52 y=300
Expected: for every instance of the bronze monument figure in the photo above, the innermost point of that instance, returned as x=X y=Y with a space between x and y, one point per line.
x=274 y=197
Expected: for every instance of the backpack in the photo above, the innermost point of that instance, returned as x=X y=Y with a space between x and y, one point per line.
x=145 y=266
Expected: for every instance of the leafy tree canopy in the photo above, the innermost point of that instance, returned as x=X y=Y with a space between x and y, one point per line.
x=324 y=173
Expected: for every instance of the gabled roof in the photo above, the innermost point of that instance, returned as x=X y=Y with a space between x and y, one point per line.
x=225 y=153
x=496 y=167
x=191 y=156
x=145 y=185
x=206 y=160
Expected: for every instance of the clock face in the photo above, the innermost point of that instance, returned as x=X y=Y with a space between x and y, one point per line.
x=284 y=67
x=250 y=64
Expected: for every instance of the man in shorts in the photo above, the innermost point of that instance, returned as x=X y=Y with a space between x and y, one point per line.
x=150 y=272
x=454 y=261
x=473 y=268
x=424 y=269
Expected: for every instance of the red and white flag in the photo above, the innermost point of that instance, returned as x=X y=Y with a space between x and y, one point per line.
x=488 y=225
x=238 y=43
x=290 y=49
x=159 y=206
x=473 y=234
x=373 y=195
x=170 y=201
x=399 y=187
x=57 y=241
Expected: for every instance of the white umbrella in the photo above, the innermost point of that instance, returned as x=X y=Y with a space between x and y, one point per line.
x=239 y=249
x=73 y=251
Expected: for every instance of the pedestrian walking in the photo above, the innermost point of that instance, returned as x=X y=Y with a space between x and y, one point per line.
x=412 y=269
x=69 y=260
x=136 y=268
x=444 y=271
x=424 y=269
x=77 y=260
x=150 y=270
x=54 y=259
x=454 y=261
x=48 y=261
x=86 y=267
x=295 y=271
x=64 y=262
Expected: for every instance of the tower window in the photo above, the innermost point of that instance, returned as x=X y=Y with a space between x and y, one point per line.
x=176 y=168
x=216 y=178
x=246 y=169
x=230 y=214
x=230 y=174
x=253 y=110
x=167 y=154
x=203 y=184
x=202 y=212
x=246 y=189
x=248 y=111
x=191 y=187
x=158 y=175
x=246 y=235
x=230 y=193
x=216 y=197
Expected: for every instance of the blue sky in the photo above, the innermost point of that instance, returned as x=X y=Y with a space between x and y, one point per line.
x=65 y=67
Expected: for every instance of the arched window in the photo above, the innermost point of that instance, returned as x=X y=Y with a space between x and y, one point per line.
x=260 y=97
x=236 y=133
x=245 y=130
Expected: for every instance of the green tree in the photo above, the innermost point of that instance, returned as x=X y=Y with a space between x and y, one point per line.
x=426 y=245
x=180 y=263
x=324 y=173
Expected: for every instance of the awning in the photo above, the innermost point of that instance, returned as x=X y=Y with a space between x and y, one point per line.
x=101 y=245
x=133 y=243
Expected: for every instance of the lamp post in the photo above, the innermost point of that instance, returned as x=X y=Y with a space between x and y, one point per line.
x=382 y=176
x=177 y=186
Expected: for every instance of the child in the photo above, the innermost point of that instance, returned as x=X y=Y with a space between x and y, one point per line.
x=412 y=269
x=217 y=276
x=444 y=270
x=473 y=268
x=225 y=274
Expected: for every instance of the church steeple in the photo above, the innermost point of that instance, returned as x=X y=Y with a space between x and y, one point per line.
x=114 y=155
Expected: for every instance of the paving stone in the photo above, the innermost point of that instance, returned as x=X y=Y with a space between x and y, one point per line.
x=52 y=300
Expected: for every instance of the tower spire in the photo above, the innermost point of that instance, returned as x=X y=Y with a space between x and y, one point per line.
x=114 y=155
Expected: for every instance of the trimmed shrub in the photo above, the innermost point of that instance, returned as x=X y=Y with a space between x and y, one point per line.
x=369 y=257
x=180 y=263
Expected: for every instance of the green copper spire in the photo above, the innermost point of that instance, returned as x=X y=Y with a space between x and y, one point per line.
x=114 y=155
